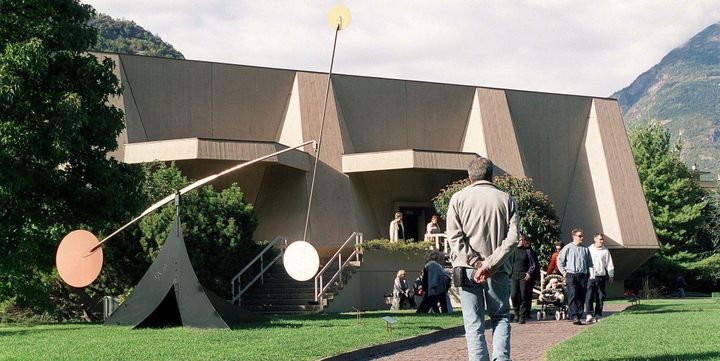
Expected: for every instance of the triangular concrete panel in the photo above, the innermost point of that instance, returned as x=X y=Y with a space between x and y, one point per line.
x=474 y=137
x=501 y=142
x=635 y=223
x=291 y=129
x=592 y=190
x=549 y=129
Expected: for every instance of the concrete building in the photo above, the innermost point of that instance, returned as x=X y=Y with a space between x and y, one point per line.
x=389 y=145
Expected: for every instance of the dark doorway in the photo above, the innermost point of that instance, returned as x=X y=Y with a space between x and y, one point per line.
x=415 y=219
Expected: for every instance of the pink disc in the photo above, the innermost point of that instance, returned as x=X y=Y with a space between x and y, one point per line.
x=77 y=265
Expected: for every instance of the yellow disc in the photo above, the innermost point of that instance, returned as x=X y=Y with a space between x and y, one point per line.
x=339 y=17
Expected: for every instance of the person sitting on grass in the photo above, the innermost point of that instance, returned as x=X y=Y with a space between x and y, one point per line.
x=401 y=292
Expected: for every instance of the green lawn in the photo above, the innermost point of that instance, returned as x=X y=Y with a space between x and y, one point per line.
x=282 y=338
x=679 y=329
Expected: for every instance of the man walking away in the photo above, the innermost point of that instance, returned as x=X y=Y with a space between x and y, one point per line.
x=574 y=263
x=482 y=229
x=602 y=271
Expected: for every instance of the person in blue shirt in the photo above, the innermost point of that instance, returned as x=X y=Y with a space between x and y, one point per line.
x=574 y=262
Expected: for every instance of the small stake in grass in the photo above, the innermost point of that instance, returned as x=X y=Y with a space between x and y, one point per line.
x=390 y=321
x=357 y=313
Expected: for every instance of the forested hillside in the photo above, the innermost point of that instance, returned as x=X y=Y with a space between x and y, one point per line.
x=682 y=92
x=126 y=37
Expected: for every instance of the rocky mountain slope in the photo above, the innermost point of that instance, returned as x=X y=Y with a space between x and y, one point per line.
x=683 y=93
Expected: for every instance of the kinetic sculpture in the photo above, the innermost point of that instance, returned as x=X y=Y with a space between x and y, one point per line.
x=169 y=294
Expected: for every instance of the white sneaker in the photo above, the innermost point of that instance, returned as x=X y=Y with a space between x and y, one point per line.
x=589 y=319
x=597 y=319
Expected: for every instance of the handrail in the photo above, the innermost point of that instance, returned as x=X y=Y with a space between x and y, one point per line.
x=263 y=268
x=320 y=286
x=437 y=237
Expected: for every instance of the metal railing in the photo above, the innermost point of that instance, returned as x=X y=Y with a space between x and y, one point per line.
x=320 y=285
x=439 y=238
x=236 y=282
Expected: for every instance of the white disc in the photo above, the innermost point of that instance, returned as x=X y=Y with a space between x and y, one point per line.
x=301 y=261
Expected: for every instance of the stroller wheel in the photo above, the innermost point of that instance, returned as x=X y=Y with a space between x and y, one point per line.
x=558 y=315
x=563 y=315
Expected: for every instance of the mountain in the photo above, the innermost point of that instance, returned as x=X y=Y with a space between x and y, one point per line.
x=683 y=93
x=126 y=37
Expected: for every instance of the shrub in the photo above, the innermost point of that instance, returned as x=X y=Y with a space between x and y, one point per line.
x=537 y=214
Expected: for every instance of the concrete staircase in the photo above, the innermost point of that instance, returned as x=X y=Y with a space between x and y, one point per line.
x=281 y=294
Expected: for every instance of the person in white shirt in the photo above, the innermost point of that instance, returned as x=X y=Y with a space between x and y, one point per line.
x=397 y=229
x=433 y=227
x=601 y=273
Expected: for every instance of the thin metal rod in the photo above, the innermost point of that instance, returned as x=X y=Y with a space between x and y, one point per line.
x=197 y=184
x=320 y=137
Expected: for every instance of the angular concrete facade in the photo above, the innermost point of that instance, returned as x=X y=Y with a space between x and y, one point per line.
x=388 y=145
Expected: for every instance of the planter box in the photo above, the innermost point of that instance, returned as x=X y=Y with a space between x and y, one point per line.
x=366 y=288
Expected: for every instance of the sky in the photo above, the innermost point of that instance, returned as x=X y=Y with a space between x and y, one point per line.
x=579 y=47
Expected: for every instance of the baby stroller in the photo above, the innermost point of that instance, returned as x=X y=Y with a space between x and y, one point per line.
x=552 y=300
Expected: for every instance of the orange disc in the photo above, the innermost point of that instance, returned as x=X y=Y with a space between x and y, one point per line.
x=77 y=266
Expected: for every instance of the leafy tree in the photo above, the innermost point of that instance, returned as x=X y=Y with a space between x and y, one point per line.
x=675 y=201
x=217 y=226
x=56 y=130
x=537 y=214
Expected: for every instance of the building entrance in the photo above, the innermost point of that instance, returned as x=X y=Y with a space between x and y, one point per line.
x=415 y=218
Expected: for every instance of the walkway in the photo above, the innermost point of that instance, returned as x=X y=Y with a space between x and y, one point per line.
x=528 y=341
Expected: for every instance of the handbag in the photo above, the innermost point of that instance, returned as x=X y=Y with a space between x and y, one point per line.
x=460 y=277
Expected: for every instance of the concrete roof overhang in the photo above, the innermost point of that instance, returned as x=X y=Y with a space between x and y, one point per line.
x=214 y=149
x=406 y=159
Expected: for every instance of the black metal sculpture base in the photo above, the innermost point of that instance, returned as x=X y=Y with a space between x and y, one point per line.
x=169 y=294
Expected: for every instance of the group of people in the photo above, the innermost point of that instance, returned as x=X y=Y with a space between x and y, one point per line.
x=587 y=271
x=482 y=230
x=397 y=227
x=432 y=285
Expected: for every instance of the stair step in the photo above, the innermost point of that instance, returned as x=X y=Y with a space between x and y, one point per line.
x=269 y=295
x=276 y=302
x=283 y=308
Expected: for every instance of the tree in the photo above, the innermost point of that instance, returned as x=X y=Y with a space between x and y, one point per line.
x=56 y=130
x=537 y=214
x=218 y=227
x=675 y=201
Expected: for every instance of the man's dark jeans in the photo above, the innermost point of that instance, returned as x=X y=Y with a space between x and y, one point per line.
x=576 y=287
x=596 y=295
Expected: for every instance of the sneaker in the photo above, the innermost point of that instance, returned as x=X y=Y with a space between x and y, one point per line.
x=596 y=319
x=577 y=321
x=522 y=321
x=589 y=319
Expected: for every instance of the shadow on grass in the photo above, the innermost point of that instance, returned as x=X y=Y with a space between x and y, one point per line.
x=28 y=330
x=662 y=308
x=713 y=355
x=296 y=321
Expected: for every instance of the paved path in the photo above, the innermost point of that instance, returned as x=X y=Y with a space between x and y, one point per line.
x=528 y=341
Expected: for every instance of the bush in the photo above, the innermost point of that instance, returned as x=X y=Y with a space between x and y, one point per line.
x=408 y=246
x=538 y=221
x=217 y=227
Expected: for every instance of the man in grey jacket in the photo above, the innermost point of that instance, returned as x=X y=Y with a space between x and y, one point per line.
x=482 y=229
x=574 y=262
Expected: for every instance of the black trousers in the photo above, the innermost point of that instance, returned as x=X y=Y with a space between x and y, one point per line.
x=521 y=294
x=596 y=294
x=431 y=302
x=576 y=287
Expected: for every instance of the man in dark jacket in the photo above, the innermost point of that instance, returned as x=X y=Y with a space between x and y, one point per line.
x=522 y=279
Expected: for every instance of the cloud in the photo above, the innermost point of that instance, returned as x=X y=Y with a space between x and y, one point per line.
x=567 y=46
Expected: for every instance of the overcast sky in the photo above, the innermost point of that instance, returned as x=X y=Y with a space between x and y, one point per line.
x=563 y=46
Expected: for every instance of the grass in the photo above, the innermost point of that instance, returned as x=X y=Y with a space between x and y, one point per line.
x=282 y=338
x=677 y=329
